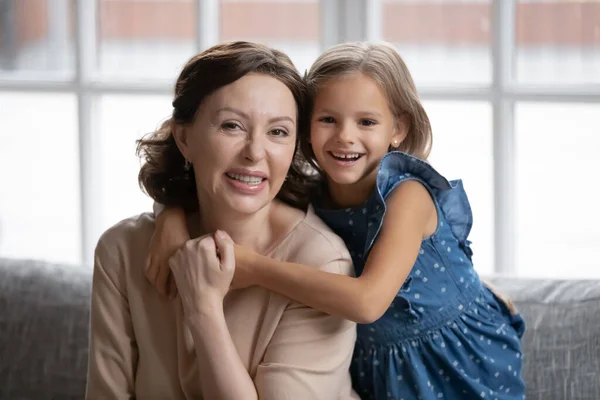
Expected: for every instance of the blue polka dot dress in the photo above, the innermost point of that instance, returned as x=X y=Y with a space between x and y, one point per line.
x=445 y=335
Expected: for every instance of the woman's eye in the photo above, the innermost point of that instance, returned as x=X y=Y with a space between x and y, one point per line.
x=279 y=132
x=230 y=126
x=327 y=120
x=367 y=122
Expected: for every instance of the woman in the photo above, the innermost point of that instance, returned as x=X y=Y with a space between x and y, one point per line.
x=227 y=155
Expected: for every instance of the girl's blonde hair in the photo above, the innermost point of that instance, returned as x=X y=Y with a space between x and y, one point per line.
x=382 y=63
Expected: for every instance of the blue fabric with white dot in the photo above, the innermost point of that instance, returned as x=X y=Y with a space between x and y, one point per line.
x=445 y=335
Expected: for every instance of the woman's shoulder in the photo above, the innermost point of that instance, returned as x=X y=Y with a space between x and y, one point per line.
x=312 y=242
x=127 y=238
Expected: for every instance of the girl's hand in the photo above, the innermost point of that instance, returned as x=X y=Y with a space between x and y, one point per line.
x=244 y=261
x=170 y=234
x=202 y=277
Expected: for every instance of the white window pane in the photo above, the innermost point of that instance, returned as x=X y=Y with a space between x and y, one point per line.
x=39 y=194
x=558 y=162
x=558 y=42
x=287 y=25
x=443 y=42
x=36 y=36
x=145 y=39
x=462 y=139
x=121 y=121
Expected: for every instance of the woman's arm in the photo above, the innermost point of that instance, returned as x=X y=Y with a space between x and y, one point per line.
x=363 y=299
x=222 y=373
x=203 y=281
x=113 y=352
x=308 y=355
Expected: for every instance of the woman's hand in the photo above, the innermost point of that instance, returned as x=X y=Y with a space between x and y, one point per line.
x=202 y=276
x=170 y=234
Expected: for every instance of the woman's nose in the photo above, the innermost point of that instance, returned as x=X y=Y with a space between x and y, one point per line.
x=254 y=150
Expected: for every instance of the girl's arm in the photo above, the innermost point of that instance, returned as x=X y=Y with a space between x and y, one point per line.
x=170 y=234
x=410 y=215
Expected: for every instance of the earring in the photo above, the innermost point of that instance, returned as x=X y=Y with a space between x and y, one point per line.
x=395 y=143
x=187 y=166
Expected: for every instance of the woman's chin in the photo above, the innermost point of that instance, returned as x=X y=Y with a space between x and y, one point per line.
x=247 y=205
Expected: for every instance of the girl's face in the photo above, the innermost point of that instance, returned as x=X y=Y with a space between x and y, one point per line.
x=352 y=128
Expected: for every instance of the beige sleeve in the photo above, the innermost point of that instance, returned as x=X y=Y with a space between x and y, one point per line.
x=309 y=354
x=113 y=352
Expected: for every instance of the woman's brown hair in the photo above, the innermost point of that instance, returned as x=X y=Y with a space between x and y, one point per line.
x=382 y=63
x=163 y=175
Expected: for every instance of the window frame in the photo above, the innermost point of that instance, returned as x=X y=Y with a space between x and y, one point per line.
x=341 y=20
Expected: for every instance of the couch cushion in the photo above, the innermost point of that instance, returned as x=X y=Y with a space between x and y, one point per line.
x=44 y=316
x=562 y=341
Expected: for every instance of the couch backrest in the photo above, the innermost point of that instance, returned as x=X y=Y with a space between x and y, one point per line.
x=44 y=317
x=562 y=342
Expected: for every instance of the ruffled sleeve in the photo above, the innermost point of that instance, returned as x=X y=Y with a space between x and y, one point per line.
x=449 y=196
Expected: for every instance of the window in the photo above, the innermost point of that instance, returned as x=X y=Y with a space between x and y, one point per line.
x=36 y=39
x=39 y=159
x=533 y=63
x=443 y=42
x=140 y=40
x=462 y=137
x=511 y=88
x=558 y=231
x=291 y=26
x=121 y=121
x=558 y=42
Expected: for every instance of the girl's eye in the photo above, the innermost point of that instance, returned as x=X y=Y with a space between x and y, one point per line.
x=367 y=122
x=279 y=133
x=230 y=126
x=327 y=120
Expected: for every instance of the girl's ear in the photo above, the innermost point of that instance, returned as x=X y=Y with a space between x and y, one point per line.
x=401 y=127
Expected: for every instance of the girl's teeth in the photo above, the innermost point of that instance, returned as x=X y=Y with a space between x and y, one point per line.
x=253 y=180
x=346 y=156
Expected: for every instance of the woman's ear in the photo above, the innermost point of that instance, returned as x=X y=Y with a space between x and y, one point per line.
x=401 y=127
x=180 y=134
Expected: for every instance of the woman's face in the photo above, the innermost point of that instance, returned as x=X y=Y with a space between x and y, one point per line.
x=241 y=143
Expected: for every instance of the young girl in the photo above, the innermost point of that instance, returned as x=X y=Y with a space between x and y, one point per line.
x=428 y=327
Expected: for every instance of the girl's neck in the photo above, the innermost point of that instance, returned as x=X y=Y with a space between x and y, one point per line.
x=352 y=195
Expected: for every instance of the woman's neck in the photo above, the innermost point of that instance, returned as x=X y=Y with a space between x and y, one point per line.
x=254 y=231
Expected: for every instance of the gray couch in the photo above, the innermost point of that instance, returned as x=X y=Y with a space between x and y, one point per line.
x=44 y=333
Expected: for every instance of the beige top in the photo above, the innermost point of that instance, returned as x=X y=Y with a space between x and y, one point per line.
x=140 y=347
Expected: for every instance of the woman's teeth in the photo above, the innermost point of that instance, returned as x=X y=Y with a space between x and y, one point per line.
x=252 y=180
